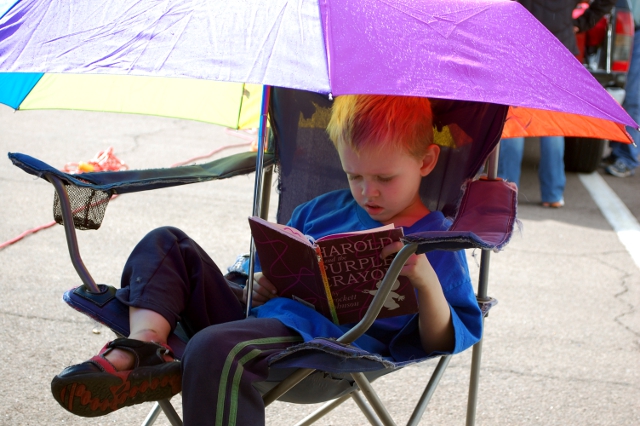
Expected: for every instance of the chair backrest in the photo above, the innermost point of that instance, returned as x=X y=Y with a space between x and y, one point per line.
x=309 y=165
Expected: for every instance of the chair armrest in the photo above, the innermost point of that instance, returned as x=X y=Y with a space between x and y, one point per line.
x=485 y=220
x=128 y=181
x=81 y=201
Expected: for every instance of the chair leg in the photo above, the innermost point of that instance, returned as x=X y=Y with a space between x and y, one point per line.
x=286 y=385
x=476 y=357
x=429 y=390
x=322 y=411
x=170 y=412
x=373 y=399
x=366 y=410
x=153 y=415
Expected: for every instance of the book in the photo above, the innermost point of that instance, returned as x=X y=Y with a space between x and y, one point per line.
x=337 y=275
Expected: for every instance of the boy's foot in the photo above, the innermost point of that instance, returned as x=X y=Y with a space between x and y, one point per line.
x=95 y=387
x=620 y=169
x=555 y=205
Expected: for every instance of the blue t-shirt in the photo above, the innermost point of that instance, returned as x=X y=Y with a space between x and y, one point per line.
x=397 y=337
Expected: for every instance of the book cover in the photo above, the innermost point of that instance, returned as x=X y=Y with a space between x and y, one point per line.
x=337 y=275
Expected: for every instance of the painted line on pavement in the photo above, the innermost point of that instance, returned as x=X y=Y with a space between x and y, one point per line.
x=616 y=212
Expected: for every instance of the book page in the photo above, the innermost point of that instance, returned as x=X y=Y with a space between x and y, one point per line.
x=291 y=263
x=366 y=231
x=287 y=230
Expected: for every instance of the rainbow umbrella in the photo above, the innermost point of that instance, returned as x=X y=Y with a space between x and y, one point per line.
x=477 y=50
x=237 y=105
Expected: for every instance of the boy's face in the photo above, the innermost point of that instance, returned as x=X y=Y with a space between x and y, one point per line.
x=385 y=182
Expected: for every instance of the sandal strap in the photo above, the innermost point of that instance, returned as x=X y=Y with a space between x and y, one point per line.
x=146 y=354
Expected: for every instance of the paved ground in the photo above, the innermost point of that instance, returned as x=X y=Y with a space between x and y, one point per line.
x=561 y=348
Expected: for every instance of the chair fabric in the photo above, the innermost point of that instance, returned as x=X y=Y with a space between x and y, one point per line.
x=309 y=165
x=485 y=219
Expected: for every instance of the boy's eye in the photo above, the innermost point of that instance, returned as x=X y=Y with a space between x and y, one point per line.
x=385 y=178
x=353 y=177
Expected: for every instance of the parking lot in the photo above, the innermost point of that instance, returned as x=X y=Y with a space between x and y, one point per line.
x=562 y=347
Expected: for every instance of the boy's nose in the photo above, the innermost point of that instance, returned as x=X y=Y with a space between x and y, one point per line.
x=369 y=189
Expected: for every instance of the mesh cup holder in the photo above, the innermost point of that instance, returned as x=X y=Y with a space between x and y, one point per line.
x=87 y=205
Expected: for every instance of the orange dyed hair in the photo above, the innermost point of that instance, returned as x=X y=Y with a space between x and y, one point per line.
x=378 y=120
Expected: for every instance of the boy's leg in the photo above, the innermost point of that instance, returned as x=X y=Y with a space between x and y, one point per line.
x=171 y=274
x=220 y=365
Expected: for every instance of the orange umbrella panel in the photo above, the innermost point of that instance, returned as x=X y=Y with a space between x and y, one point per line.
x=530 y=122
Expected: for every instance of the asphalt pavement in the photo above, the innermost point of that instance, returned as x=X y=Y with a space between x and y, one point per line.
x=562 y=347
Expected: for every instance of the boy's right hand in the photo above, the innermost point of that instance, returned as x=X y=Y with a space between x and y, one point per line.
x=263 y=290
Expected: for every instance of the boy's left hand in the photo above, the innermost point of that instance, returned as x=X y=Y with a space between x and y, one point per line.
x=417 y=268
x=263 y=290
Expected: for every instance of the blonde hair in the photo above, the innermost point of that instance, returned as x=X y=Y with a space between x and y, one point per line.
x=379 y=120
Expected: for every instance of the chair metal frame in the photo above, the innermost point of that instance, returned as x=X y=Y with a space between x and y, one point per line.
x=376 y=413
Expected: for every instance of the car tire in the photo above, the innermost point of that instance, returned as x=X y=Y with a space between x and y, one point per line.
x=582 y=155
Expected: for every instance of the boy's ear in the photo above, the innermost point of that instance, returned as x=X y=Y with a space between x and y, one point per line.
x=430 y=159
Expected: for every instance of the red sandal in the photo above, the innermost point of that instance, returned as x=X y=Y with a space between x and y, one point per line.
x=95 y=388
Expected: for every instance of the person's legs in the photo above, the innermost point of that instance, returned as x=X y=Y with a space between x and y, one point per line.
x=510 y=159
x=220 y=365
x=146 y=326
x=551 y=169
x=167 y=278
x=626 y=155
x=172 y=275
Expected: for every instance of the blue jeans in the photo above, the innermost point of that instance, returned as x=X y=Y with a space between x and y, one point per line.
x=627 y=152
x=550 y=172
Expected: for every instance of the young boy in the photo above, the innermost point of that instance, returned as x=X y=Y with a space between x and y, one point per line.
x=385 y=147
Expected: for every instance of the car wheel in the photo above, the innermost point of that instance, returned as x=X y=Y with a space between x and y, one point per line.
x=582 y=155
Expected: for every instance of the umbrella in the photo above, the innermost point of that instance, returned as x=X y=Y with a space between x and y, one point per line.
x=237 y=106
x=478 y=50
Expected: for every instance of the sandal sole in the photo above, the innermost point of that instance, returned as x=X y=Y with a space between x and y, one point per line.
x=98 y=394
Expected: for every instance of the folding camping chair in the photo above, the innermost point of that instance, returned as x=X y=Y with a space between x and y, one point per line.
x=308 y=165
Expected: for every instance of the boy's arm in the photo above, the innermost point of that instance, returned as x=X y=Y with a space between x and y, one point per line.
x=435 y=323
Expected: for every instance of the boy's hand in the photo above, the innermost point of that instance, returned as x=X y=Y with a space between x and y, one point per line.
x=263 y=290
x=417 y=268
x=436 y=327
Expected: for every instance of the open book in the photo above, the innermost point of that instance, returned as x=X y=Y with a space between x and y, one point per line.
x=337 y=275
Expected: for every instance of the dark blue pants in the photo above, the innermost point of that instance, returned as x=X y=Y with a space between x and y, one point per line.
x=169 y=273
